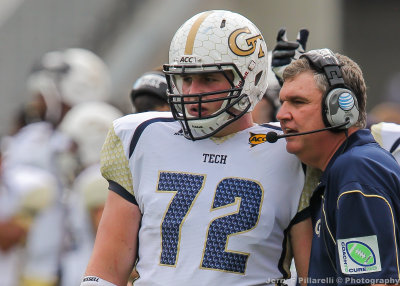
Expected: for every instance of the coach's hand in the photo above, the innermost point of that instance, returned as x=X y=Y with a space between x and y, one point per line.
x=285 y=51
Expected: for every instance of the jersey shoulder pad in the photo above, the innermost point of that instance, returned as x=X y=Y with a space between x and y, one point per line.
x=125 y=126
x=386 y=134
x=132 y=121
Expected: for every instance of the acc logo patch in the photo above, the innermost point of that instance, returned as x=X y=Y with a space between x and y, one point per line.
x=256 y=139
x=359 y=255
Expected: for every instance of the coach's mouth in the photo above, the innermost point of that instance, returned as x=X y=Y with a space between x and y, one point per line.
x=287 y=130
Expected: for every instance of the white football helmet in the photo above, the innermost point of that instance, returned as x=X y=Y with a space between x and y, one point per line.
x=88 y=124
x=69 y=76
x=216 y=41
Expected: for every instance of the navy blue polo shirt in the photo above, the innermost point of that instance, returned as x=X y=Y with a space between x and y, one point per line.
x=355 y=213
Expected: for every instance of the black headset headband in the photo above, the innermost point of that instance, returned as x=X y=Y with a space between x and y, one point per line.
x=324 y=60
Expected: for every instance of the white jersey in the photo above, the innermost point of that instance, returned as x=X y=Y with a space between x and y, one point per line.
x=36 y=144
x=215 y=212
x=39 y=145
x=388 y=136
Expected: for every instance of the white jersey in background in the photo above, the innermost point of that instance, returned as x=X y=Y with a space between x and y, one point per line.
x=38 y=145
x=26 y=193
x=388 y=136
x=214 y=211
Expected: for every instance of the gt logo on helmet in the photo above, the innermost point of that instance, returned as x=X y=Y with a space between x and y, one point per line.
x=251 y=42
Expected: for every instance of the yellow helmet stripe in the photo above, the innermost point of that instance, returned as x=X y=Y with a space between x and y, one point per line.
x=193 y=32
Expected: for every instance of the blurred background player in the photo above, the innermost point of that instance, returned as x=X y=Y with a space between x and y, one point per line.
x=26 y=192
x=149 y=92
x=283 y=53
x=62 y=79
x=266 y=109
x=87 y=125
x=59 y=81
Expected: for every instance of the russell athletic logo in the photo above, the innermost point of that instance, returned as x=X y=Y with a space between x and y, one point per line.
x=359 y=255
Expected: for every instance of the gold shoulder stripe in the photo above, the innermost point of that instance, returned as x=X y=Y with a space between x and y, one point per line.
x=114 y=163
x=193 y=32
x=326 y=222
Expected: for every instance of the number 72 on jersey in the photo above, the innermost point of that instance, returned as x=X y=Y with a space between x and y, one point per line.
x=229 y=191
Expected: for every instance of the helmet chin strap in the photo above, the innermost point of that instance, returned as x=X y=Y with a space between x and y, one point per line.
x=242 y=104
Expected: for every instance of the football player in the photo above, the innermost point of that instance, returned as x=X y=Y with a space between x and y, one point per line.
x=26 y=194
x=87 y=125
x=59 y=81
x=62 y=79
x=198 y=197
x=149 y=92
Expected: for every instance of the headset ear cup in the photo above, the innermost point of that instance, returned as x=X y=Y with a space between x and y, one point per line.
x=339 y=103
x=325 y=110
x=340 y=106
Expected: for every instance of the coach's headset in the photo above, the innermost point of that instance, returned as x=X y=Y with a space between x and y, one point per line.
x=339 y=103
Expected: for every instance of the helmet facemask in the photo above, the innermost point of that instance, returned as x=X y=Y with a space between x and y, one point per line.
x=200 y=126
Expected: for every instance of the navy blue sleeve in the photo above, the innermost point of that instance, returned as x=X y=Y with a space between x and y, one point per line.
x=367 y=245
x=118 y=189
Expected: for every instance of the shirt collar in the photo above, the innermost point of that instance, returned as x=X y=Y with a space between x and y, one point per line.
x=358 y=138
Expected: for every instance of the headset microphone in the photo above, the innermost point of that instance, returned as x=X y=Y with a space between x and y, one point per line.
x=272 y=136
